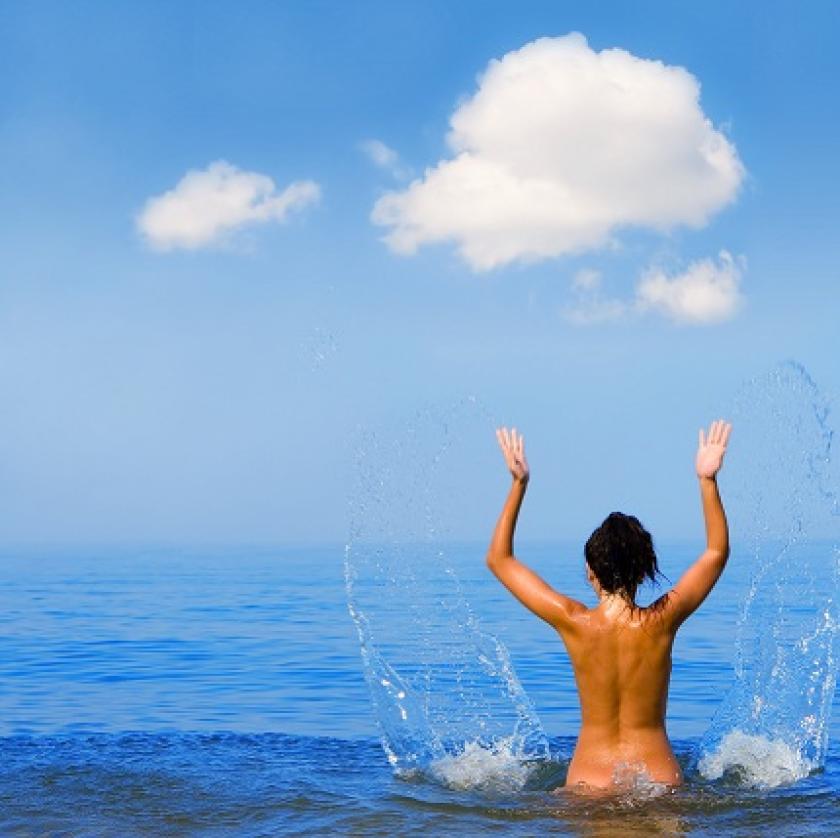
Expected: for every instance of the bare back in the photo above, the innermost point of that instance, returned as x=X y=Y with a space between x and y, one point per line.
x=622 y=664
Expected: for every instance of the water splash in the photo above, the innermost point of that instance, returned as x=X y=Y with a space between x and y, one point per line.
x=496 y=768
x=772 y=727
x=755 y=761
x=318 y=349
x=444 y=691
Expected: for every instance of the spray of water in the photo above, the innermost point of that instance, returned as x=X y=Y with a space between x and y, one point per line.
x=444 y=692
x=772 y=727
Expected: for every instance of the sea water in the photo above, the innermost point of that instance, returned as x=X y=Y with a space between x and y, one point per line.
x=213 y=693
x=175 y=692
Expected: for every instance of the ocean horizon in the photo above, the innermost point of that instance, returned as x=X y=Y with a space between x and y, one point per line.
x=203 y=692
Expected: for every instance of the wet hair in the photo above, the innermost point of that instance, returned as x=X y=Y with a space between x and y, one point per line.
x=620 y=553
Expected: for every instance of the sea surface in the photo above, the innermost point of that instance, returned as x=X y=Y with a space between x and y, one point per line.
x=222 y=692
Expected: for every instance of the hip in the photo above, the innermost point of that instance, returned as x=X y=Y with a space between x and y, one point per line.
x=605 y=761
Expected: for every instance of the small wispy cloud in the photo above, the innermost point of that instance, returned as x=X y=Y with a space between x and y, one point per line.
x=708 y=291
x=207 y=205
x=385 y=157
x=590 y=304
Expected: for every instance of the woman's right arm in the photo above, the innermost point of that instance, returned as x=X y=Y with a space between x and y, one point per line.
x=696 y=583
x=534 y=593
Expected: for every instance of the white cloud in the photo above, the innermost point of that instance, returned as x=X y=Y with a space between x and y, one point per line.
x=381 y=154
x=590 y=305
x=560 y=147
x=594 y=308
x=384 y=157
x=208 y=204
x=706 y=292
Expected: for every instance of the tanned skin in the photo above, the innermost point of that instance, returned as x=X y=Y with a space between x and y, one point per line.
x=621 y=653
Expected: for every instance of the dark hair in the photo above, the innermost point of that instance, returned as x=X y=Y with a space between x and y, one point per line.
x=620 y=553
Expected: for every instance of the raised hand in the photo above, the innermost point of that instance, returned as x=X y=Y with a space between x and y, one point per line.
x=712 y=448
x=513 y=449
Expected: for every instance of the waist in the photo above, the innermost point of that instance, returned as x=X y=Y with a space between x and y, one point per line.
x=617 y=734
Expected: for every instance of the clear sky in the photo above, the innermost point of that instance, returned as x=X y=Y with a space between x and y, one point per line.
x=376 y=223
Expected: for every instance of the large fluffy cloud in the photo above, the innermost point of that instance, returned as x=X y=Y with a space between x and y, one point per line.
x=208 y=204
x=561 y=146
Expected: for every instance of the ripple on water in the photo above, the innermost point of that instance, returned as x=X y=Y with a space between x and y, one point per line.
x=226 y=783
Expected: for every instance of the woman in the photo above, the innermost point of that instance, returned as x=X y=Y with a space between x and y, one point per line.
x=621 y=653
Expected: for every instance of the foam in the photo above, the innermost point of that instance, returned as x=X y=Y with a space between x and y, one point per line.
x=758 y=761
x=497 y=767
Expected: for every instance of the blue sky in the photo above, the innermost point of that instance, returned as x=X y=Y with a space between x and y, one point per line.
x=215 y=393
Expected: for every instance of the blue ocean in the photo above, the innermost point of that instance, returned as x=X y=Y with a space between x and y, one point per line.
x=169 y=693
x=390 y=686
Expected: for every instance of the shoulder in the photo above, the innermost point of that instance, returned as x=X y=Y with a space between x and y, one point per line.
x=661 y=613
x=572 y=616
